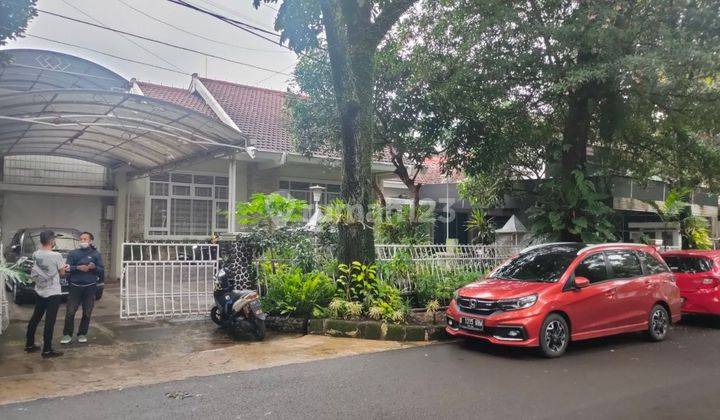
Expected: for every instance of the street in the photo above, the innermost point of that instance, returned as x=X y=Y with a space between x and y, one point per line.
x=618 y=377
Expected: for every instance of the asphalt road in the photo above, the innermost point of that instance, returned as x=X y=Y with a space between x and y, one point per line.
x=619 y=377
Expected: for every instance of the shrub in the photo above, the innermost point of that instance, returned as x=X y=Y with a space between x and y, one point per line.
x=294 y=293
x=439 y=287
x=363 y=292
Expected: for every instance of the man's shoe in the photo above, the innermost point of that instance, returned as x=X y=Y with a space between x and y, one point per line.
x=82 y=339
x=66 y=339
x=52 y=353
x=32 y=349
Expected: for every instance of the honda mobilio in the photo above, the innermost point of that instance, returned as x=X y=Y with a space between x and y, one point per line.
x=698 y=277
x=551 y=294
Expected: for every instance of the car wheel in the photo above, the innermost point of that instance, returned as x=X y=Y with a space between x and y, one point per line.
x=658 y=323
x=554 y=336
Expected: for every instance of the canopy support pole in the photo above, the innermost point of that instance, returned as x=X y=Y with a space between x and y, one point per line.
x=232 y=194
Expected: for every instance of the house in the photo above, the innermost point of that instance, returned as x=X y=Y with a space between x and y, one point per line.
x=635 y=219
x=133 y=161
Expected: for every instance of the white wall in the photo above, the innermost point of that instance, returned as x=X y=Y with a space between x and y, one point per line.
x=37 y=210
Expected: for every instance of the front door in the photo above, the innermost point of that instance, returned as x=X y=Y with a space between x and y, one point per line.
x=591 y=309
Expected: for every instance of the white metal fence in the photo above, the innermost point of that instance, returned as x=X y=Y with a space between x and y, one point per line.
x=457 y=258
x=167 y=280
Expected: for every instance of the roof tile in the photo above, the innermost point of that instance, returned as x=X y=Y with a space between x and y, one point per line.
x=177 y=96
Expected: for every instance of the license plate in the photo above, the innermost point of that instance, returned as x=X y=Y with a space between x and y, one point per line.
x=472 y=324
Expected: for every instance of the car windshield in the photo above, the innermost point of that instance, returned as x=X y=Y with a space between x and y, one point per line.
x=64 y=241
x=687 y=264
x=543 y=264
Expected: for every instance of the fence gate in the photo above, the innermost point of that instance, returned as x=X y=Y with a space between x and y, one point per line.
x=167 y=280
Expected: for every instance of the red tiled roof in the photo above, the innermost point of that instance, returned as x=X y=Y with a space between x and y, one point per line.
x=177 y=96
x=258 y=112
x=433 y=172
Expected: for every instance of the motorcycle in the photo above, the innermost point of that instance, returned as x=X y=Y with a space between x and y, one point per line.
x=237 y=310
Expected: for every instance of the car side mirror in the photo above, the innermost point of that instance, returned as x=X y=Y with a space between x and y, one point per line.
x=581 y=282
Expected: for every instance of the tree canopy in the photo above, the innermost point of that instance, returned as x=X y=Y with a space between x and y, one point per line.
x=543 y=89
x=14 y=17
x=399 y=111
x=352 y=32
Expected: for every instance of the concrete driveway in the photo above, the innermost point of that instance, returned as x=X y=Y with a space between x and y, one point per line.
x=127 y=353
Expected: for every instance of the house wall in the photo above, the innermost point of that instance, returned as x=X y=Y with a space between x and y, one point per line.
x=21 y=210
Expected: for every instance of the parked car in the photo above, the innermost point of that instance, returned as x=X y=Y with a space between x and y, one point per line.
x=697 y=275
x=549 y=295
x=19 y=256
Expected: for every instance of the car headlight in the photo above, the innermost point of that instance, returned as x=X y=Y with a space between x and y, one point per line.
x=518 y=303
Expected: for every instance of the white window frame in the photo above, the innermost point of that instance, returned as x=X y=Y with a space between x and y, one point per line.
x=192 y=196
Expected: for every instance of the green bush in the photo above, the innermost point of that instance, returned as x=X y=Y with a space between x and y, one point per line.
x=440 y=286
x=298 y=294
x=358 y=284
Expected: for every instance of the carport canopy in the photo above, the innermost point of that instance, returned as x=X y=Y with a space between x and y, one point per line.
x=114 y=129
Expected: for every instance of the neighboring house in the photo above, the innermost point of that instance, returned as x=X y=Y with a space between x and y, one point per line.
x=84 y=147
x=635 y=217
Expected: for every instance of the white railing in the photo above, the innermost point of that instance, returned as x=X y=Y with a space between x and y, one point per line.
x=167 y=280
x=441 y=259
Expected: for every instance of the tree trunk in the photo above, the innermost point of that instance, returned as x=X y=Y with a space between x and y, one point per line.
x=574 y=145
x=352 y=63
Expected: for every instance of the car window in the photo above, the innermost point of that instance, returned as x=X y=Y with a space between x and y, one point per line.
x=593 y=268
x=64 y=241
x=28 y=246
x=688 y=264
x=544 y=264
x=652 y=265
x=624 y=264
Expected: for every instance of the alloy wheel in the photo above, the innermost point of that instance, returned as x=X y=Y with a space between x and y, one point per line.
x=659 y=323
x=555 y=336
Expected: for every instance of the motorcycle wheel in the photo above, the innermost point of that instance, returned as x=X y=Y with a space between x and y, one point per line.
x=215 y=316
x=259 y=331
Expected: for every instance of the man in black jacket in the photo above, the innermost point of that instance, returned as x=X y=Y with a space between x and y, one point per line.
x=86 y=267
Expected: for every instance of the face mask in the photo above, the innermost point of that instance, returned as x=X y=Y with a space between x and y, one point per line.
x=84 y=245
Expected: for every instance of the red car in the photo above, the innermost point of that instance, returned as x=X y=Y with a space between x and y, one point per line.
x=551 y=294
x=697 y=274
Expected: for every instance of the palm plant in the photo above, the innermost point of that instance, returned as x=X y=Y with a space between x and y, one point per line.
x=480 y=223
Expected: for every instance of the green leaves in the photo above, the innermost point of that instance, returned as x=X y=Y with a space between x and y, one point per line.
x=270 y=210
x=573 y=207
x=298 y=294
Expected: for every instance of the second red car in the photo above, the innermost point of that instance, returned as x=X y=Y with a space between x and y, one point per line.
x=698 y=277
x=551 y=294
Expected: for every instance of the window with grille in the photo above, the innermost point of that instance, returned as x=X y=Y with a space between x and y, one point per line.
x=186 y=205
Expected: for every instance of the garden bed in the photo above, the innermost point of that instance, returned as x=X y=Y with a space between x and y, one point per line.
x=420 y=328
x=376 y=330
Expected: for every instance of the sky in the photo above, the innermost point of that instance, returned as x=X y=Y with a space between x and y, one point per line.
x=222 y=39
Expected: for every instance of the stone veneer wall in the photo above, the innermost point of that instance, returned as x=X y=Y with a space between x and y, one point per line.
x=136 y=219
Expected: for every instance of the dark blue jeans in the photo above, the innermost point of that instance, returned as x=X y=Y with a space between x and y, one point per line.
x=77 y=296
x=43 y=306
